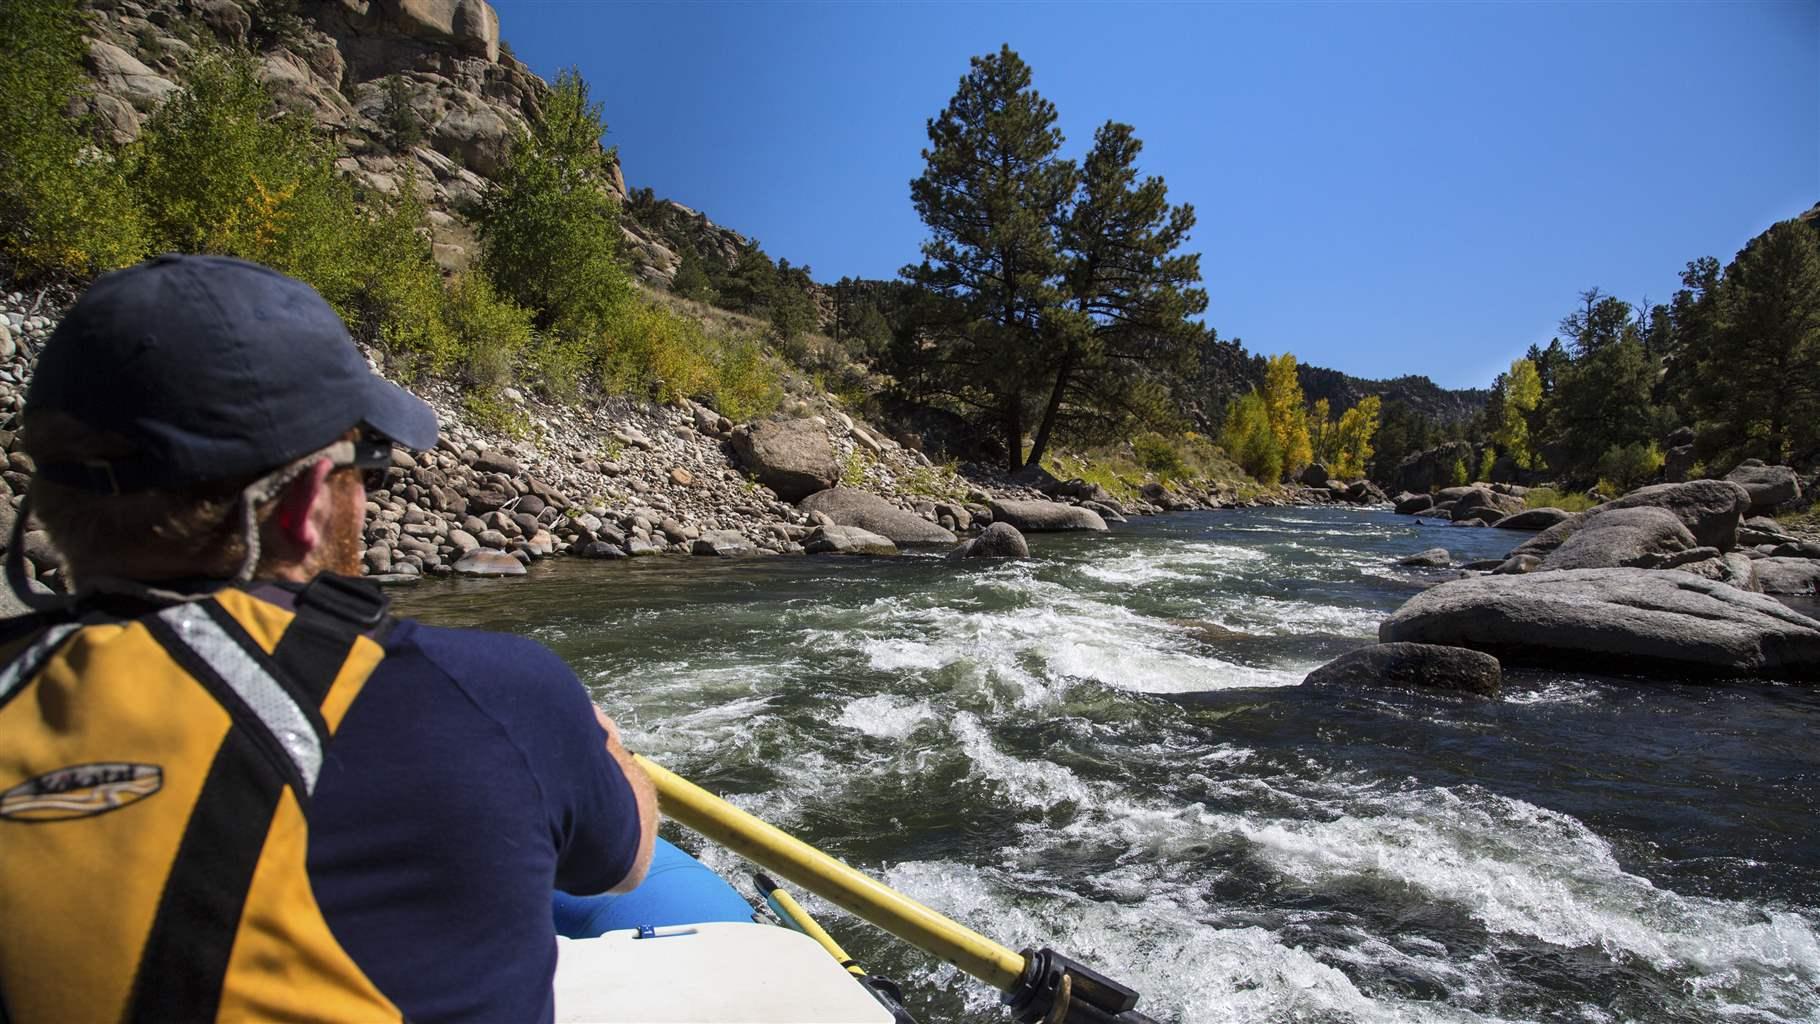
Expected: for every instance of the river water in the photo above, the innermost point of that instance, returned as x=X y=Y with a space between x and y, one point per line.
x=1104 y=749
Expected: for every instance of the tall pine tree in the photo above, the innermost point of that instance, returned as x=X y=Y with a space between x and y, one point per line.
x=1130 y=294
x=992 y=193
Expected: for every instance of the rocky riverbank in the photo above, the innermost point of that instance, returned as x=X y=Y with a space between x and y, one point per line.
x=1681 y=579
x=612 y=478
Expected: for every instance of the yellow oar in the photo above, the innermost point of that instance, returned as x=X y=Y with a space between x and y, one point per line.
x=1036 y=984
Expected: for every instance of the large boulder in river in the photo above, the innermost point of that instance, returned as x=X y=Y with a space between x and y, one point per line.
x=1533 y=519
x=1486 y=504
x=792 y=457
x=1433 y=558
x=1614 y=620
x=846 y=540
x=1424 y=470
x=1644 y=537
x=1731 y=569
x=1000 y=540
x=1408 y=504
x=1710 y=509
x=849 y=506
x=1788 y=575
x=487 y=562
x=1315 y=475
x=1045 y=516
x=1769 y=486
x=1416 y=666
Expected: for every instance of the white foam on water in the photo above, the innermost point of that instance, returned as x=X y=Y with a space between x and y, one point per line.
x=1034 y=784
x=1274 y=616
x=1039 y=648
x=1176 y=560
x=1525 y=870
x=1556 y=691
x=1185 y=968
x=885 y=716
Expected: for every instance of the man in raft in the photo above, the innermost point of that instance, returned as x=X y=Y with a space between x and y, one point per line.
x=231 y=786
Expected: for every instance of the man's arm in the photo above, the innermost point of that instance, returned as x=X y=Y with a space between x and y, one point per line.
x=643 y=793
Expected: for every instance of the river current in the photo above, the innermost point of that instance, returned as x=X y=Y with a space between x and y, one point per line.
x=1104 y=749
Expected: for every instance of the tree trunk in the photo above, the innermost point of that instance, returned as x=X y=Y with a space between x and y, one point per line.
x=1063 y=375
x=1012 y=417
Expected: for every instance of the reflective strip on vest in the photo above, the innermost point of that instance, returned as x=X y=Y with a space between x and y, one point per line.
x=28 y=663
x=280 y=714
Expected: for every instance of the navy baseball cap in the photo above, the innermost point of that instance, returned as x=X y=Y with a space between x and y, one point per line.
x=215 y=368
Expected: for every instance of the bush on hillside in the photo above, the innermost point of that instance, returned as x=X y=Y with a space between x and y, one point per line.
x=65 y=213
x=1157 y=454
x=1249 y=440
x=1623 y=469
x=1549 y=497
x=219 y=173
x=490 y=332
x=550 y=229
x=653 y=352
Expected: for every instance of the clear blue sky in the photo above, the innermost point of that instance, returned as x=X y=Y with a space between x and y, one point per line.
x=1382 y=188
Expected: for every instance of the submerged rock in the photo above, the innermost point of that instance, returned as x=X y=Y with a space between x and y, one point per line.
x=1434 y=558
x=846 y=540
x=1414 y=665
x=487 y=562
x=1045 y=516
x=848 y=506
x=1000 y=540
x=1614 y=620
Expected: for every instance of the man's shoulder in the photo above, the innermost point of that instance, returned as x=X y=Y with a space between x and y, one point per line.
x=477 y=660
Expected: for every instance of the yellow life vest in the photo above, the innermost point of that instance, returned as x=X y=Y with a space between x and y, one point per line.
x=155 y=779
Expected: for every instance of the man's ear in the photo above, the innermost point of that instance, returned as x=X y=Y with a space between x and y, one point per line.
x=302 y=509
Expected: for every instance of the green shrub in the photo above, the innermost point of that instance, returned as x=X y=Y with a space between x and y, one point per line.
x=853 y=467
x=219 y=173
x=490 y=332
x=65 y=213
x=1625 y=468
x=489 y=410
x=1248 y=439
x=1548 y=497
x=397 y=296
x=942 y=483
x=548 y=226
x=402 y=125
x=1158 y=455
x=1457 y=476
x=745 y=384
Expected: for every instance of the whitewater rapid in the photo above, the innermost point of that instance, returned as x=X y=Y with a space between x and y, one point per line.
x=1104 y=749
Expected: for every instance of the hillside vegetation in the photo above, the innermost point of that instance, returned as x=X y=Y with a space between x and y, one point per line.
x=465 y=219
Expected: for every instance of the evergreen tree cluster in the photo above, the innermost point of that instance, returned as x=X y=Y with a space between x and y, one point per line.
x=1734 y=355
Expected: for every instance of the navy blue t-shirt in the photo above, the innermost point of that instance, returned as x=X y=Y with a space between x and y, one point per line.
x=467 y=781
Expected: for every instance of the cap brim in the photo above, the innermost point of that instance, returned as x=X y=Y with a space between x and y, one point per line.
x=400 y=415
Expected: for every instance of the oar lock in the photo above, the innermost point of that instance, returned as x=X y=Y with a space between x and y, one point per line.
x=1057 y=989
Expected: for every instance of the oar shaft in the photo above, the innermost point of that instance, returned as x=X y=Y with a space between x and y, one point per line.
x=772 y=848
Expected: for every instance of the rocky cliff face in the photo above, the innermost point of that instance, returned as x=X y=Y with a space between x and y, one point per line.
x=351 y=65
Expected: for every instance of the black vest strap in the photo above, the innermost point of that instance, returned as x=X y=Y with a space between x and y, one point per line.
x=332 y=611
x=185 y=961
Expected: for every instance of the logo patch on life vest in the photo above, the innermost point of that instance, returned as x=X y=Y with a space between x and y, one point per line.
x=80 y=791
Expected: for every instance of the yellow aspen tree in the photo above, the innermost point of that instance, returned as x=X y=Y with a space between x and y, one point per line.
x=1288 y=420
